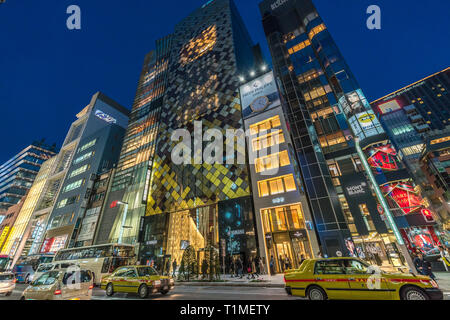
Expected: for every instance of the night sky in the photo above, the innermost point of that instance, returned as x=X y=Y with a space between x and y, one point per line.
x=49 y=73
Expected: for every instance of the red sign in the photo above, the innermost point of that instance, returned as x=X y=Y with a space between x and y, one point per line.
x=404 y=196
x=47 y=245
x=384 y=157
x=114 y=204
x=428 y=215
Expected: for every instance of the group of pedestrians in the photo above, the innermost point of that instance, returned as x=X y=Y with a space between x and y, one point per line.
x=253 y=268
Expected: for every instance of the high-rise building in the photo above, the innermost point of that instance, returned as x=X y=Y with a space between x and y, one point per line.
x=435 y=164
x=284 y=223
x=18 y=173
x=354 y=179
x=57 y=206
x=131 y=179
x=191 y=78
x=8 y=221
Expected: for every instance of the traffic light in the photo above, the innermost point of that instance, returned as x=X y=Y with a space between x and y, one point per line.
x=427 y=215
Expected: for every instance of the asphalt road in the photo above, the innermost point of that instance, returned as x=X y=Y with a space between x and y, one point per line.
x=193 y=293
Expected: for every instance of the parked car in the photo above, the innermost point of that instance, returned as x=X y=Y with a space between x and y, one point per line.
x=62 y=284
x=7 y=283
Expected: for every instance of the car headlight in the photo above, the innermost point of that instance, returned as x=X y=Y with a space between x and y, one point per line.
x=157 y=283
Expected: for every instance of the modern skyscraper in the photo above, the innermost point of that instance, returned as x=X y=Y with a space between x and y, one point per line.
x=348 y=165
x=18 y=173
x=59 y=200
x=191 y=76
x=131 y=180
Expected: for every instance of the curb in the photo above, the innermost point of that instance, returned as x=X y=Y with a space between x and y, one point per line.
x=229 y=284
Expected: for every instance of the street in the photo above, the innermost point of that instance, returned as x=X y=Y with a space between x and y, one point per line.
x=194 y=293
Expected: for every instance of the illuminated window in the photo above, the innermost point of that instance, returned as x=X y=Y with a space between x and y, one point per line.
x=272 y=162
x=309 y=75
x=265 y=125
x=79 y=171
x=83 y=157
x=199 y=46
x=316 y=30
x=315 y=93
x=87 y=145
x=74 y=185
x=441 y=140
x=276 y=186
x=268 y=140
x=283 y=219
x=332 y=139
x=300 y=46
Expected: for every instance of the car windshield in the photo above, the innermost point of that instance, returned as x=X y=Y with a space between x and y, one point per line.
x=45 y=267
x=146 y=271
x=47 y=279
x=6 y=277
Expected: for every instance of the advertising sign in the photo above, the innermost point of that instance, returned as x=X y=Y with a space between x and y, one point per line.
x=105 y=117
x=3 y=236
x=383 y=158
x=365 y=125
x=259 y=95
x=404 y=195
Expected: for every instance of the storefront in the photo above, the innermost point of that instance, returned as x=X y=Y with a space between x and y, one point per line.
x=286 y=236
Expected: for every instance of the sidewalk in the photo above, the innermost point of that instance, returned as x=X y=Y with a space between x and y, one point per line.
x=443 y=279
x=276 y=281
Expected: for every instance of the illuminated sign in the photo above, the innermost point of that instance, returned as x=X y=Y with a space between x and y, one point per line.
x=278 y=200
x=105 y=117
x=259 y=95
x=404 y=195
x=357 y=190
x=365 y=125
x=4 y=234
x=383 y=158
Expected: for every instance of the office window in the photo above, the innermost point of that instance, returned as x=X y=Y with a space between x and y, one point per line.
x=74 y=185
x=83 y=157
x=316 y=30
x=265 y=125
x=272 y=161
x=300 y=46
x=268 y=140
x=276 y=186
x=87 y=145
x=79 y=171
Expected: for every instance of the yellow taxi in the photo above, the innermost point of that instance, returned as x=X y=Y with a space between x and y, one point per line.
x=141 y=280
x=353 y=279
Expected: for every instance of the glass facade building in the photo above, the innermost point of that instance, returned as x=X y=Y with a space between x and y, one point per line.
x=18 y=173
x=198 y=205
x=348 y=164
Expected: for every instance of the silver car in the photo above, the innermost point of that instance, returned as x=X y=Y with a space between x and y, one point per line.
x=7 y=283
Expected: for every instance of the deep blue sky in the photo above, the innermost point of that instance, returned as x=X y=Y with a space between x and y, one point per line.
x=48 y=73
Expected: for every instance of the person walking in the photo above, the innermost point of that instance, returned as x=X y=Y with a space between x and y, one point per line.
x=262 y=268
x=240 y=267
x=232 y=268
x=272 y=265
x=174 y=268
x=287 y=263
x=444 y=257
x=257 y=266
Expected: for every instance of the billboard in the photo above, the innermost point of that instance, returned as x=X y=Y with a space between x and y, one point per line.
x=366 y=124
x=404 y=196
x=383 y=158
x=259 y=95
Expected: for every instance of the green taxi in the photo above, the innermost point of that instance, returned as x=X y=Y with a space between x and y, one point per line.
x=353 y=279
x=141 y=280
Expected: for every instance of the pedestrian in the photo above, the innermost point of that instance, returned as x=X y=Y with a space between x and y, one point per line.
x=167 y=267
x=272 y=265
x=257 y=266
x=281 y=262
x=444 y=257
x=262 y=268
x=418 y=262
x=302 y=258
x=231 y=267
x=287 y=263
x=250 y=269
x=240 y=267
x=174 y=267
x=423 y=266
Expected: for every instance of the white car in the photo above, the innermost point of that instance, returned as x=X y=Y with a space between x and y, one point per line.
x=46 y=267
x=7 y=283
